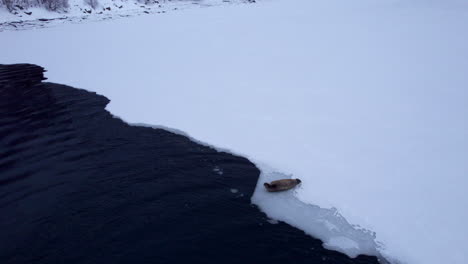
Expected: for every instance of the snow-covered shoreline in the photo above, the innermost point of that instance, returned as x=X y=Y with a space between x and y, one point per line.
x=326 y=224
x=80 y=12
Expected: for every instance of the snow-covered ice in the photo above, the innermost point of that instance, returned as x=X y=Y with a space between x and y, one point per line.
x=273 y=221
x=365 y=101
x=327 y=224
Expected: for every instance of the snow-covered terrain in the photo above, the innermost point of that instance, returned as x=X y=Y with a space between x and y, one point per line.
x=79 y=11
x=365 y=101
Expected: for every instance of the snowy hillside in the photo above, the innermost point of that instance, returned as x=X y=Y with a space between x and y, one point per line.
x=365 y=101
x=26 y=14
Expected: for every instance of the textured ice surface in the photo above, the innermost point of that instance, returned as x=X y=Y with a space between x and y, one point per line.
x=326 y=224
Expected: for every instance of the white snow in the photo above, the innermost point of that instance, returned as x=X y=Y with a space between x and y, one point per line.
x=365 y=101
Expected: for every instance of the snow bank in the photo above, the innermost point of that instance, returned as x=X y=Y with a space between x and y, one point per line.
x=364 y=101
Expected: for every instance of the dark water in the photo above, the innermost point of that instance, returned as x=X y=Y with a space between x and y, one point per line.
x=80 y=186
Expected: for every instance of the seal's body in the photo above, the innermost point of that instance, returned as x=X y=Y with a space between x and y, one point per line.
x=281 y=185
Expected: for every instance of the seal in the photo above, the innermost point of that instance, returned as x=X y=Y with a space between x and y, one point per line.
x=281 y=185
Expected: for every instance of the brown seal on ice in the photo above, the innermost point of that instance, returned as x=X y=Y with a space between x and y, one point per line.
x=281 y=185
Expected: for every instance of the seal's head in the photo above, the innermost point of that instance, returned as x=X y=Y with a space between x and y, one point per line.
x=298 y=181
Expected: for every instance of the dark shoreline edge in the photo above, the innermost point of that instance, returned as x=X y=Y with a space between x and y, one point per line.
x=78 y=185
